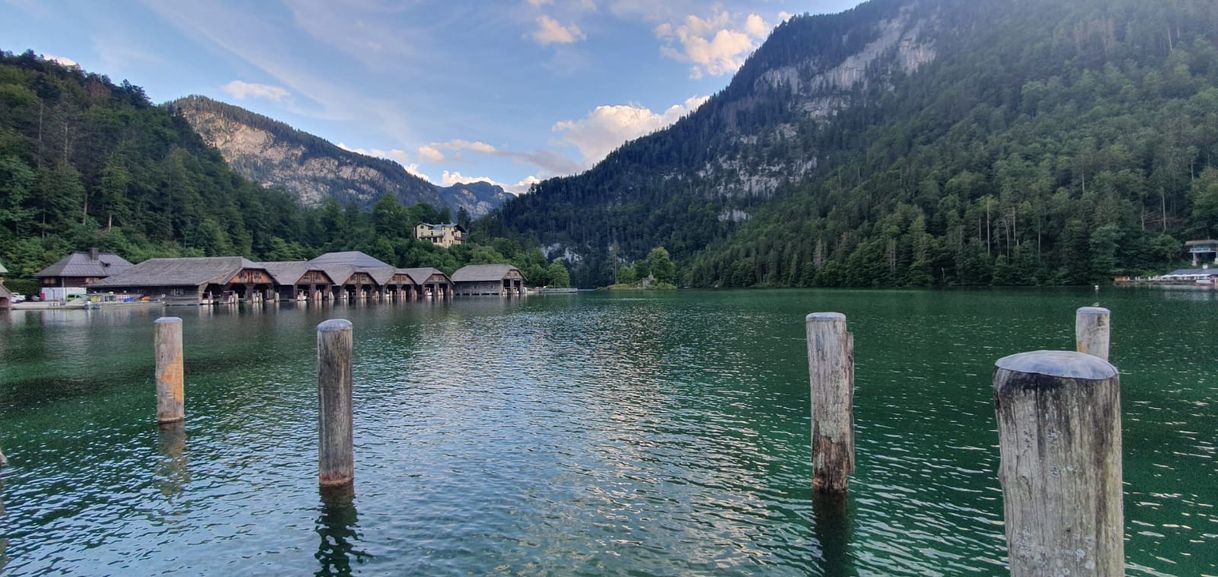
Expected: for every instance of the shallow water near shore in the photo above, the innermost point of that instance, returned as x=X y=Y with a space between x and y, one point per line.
x=591 y=434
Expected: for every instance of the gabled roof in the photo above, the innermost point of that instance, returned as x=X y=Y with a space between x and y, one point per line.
x=2 y=269
x=1201 y=242
x=338 y=273
x=82 y=264
x=353 y=258
x=288 y=272
x=5 y=293
x=164 y=272
x=420 y=275
x=381 y=274
x=484 y=272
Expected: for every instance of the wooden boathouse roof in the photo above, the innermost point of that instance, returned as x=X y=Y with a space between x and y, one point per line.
x=339 y=273
x=485 y=273
x=185 y=272
x=353 y=258
x=288 y=273
x=86 y=264
x=420 y=276
x=382 y=274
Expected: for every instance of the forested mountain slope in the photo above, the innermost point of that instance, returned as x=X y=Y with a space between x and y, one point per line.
x=87 y=163
x=920 y=142
x=275 y=154
x=84 y=162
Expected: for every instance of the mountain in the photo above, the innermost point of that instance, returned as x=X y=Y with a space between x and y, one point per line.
x=275 y=154
x=920 y=142
x=88 y=163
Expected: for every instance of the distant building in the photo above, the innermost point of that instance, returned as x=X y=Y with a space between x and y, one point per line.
x=489 y=280
x=82 y=269
x=1191 y=276
x=444 y=235
x=1202 y=250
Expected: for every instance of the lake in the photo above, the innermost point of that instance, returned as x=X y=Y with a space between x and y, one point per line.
x=591 y=434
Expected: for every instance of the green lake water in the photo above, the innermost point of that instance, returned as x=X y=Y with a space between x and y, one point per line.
x=590 y=434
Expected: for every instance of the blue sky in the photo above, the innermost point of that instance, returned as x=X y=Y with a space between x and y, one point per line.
x=507 y=91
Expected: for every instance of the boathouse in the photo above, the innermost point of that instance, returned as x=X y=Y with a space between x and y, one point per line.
x=82 y=269
x=1201 y=276
x=298 y=280
x=489 y=279
x=193 y=280
x=430 y=282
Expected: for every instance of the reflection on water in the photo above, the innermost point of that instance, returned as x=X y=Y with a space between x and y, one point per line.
x=644 y=434
x=831 y=523
x=171 y=473
x=336 y=525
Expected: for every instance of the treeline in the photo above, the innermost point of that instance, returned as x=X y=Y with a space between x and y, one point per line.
x=87 y=163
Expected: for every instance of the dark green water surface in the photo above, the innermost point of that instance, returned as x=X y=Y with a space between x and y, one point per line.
x=592 y=434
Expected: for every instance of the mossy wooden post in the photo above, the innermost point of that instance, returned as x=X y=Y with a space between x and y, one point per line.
x=831 y=371
x=336 y=447
x=1092 y=331
x=1059 y=429
x=170 y=393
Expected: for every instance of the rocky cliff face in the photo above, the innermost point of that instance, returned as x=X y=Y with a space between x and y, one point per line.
x=275 y=154
x=695 y=182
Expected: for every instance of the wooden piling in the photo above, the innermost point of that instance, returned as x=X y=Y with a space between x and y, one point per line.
x=831 y=371
x=336 y=447
x=170 y=376
x=1092 y=331
x=3 y=459
x=1059 y=428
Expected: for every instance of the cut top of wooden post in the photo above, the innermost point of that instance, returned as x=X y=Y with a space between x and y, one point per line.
x=1092 y=331
x=826 y=317
x=1059 y=364
x=168 y=321
x=334 y=325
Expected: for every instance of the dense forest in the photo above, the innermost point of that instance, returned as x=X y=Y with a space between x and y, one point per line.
x=87 y=163
x=1046 y=143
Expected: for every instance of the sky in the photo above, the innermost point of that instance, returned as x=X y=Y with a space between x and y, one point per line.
x=508 y=91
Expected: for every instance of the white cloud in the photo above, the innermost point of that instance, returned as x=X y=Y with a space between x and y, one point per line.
x=716 y=45
x=430 y=153
x=539 y=3
x=454 y=178
x=435 y=152
x=60 y=60
x=550 y=31
x=242 y=90
x=607 y=127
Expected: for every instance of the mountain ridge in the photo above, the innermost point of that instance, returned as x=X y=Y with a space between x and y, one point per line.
x=274 y=153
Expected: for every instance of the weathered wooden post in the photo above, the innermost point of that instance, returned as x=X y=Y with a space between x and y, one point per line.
x=170 y=377
x=831 y=371
x=1092 y=331
x=3 y=460
x=1059 y=429
x=336 y=460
